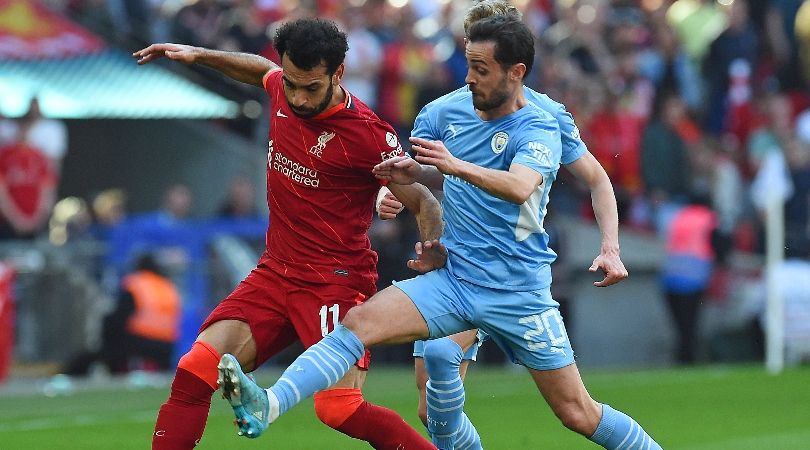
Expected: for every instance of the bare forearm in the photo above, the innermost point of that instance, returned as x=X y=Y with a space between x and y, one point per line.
x=607 y=217
x=499 y=183
x=245 y=67
x=431 y=177
x=424 y=206
x=429 y=219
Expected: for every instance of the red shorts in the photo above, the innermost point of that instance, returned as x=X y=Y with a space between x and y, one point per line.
x=281 y=310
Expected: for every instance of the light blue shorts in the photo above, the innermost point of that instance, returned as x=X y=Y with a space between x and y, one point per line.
x=471 y=354
x=526 y=325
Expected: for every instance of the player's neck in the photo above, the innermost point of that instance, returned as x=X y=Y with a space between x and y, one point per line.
x=511 y=105
x=338 y=97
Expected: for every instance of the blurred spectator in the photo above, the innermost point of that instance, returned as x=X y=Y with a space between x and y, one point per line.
x=797 y=206
x=781 y=34
x=803 y=37
x=241 y=200
x=243 y=30
x=71 y=220
x=613 y=134
x=176 y=205
x=198 y=23
x=670 y=68
x=47 y=135
x=687 y=271
x=665 y=164
x=144 y=324
x=28 y=184
x=406 y=65
x=109 y=209
x=768 y=137
x=728 y=69
x=698 y=23
x=363 y=60
x=728 y=195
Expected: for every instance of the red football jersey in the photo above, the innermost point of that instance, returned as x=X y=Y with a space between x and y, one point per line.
x=26 y=177
x=321 y=191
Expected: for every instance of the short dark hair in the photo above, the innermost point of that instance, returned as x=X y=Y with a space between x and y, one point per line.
x=488 y=8
x=310 y=42
x=514 y=42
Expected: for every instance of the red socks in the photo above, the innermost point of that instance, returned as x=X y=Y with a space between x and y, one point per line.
x=181 y=420
x=346 y=411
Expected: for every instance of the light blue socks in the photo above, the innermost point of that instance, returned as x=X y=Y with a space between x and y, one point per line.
x=617 y=431
x=319 y=367
x=448 y=426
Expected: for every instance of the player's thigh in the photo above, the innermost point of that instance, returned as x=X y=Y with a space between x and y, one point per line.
x=389 y=317
x=440 y=300
x=251 y=323
x=528 y=328
x=566 y=394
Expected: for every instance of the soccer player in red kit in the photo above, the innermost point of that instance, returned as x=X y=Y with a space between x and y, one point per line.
x=318 y=262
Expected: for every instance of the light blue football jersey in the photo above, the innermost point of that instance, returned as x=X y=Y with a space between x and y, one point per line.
x=492 y=242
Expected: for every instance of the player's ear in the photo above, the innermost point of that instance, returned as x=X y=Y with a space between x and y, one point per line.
x=517 y=71
x=338 y=75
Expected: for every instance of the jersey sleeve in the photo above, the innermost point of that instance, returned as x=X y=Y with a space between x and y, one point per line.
x=272 y=81
x=573 y=147
x=425 y=124
x=381 y=142
x=538 y=145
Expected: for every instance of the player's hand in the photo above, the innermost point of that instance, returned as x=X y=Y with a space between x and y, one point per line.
x=399 y=169
x=612 y=266
x=434 y=153
x=430 y=255
x=178 y=52
x=389 y=207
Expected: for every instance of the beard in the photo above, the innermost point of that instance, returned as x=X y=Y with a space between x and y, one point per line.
x=312 y=112
x=497 y=98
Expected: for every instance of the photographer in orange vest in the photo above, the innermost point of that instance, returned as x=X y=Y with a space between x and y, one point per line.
x=144 y=323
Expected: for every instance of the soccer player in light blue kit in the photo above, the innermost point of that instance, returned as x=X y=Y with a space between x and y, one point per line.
x=440 y=361
x=499 y=156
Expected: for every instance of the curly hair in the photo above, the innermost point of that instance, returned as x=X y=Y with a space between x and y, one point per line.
x=311 y=42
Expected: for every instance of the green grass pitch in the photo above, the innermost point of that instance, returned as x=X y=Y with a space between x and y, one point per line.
x=711 y=408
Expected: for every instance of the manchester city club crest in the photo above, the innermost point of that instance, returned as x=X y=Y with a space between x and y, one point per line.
x=499 y=141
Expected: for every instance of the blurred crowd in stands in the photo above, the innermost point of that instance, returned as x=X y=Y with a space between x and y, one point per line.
x=674 y=98
x=678 y=99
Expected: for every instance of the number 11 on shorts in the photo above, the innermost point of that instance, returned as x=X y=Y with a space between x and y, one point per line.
x=325 y=310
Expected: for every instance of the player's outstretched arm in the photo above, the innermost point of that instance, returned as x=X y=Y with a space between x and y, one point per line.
x=244 y=67
x=405 y=170
x=588 y=170
x=515 y=185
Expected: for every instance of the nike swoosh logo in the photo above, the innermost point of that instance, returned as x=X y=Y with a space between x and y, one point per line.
x=280 y=114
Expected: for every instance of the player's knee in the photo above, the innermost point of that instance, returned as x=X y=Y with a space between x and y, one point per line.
x=201 y=361
x=574 y=417
x=442 y=353
x=354 y=318
x=334 y=406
